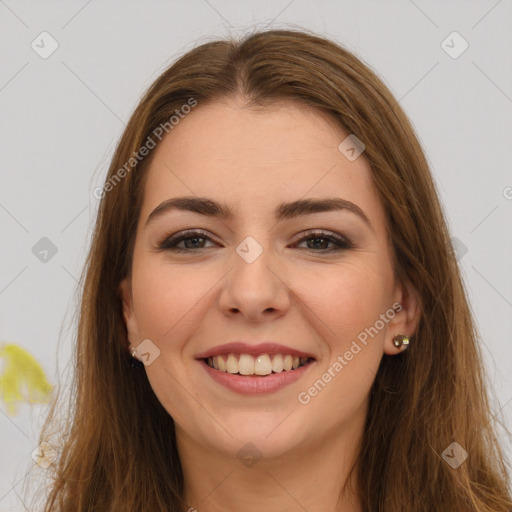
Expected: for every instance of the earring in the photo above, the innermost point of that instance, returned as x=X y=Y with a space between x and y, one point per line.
x=134 y=362
x=400 y=340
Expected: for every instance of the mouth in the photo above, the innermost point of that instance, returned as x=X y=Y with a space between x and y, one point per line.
x=248 y=368
x=257 y=366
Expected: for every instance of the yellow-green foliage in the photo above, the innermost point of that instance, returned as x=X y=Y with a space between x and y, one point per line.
x=23 y=379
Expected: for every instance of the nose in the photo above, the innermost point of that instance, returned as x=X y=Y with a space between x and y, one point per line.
x=255 y=289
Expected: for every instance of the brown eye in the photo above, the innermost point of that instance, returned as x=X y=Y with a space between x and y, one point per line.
x=321 y=239
x=193 y=240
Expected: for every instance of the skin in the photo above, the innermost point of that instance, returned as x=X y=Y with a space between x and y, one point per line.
x=298 y=295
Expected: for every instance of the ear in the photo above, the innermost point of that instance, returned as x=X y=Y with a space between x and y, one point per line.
x=132 y=328
x=407 y=317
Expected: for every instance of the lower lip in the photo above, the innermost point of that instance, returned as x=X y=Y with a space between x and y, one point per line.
x=256 y=384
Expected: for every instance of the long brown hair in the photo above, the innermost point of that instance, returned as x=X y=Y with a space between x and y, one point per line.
x=118 y=451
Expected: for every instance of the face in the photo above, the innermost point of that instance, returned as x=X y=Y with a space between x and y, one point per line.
x=265 y=287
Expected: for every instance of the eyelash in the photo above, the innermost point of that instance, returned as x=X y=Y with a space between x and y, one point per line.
x=170 y=243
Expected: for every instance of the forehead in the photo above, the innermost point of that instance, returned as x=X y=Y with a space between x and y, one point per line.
x=252 y=158
x=231 y=130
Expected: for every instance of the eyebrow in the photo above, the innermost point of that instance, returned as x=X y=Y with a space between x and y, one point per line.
x=286 y=210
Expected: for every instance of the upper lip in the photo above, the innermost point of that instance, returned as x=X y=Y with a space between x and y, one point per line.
x=240 y=347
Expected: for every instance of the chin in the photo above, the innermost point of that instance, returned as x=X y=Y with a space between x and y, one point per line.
x=266 y=435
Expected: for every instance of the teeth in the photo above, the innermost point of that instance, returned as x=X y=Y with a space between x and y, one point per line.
x=232 y=364
x=264 y=364
x=246 y=364
x=277 y=363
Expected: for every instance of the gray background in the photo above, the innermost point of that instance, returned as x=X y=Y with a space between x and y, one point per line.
x=60 y=118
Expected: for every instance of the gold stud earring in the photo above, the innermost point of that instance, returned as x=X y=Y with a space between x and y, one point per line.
x=400 y=340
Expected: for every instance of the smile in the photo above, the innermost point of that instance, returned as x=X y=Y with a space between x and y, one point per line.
x=263 y=364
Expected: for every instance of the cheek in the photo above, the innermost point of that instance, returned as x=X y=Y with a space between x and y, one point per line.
x=350 y=302
x=347 y=298
x=164 y=299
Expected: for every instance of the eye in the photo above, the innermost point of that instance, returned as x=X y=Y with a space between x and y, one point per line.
x=192 y=239
x=195 y=239
x=322 y=238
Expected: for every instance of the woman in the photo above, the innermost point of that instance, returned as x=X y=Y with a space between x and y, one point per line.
x=272 y=316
